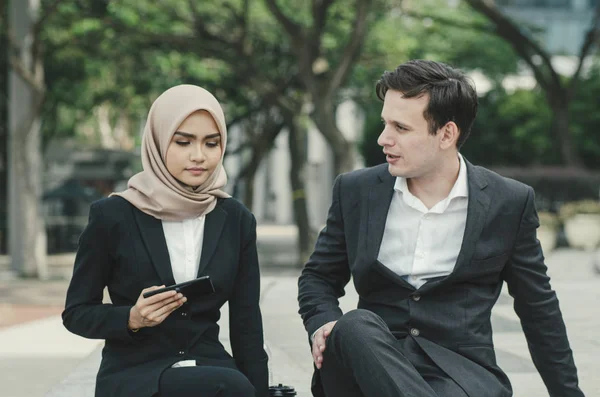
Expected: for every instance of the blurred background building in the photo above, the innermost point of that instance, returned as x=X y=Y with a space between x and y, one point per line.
x=74 y=178
x=561 y=25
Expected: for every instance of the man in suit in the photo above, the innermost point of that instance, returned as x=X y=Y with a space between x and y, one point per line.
x=428 y=239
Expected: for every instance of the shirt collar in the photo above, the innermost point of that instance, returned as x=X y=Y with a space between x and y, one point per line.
x=460 y=188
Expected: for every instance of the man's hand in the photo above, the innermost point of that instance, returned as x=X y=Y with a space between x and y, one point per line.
x=149 y=312
x=318 y=344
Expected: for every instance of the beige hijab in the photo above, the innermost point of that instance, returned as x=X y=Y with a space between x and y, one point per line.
x=154 y=190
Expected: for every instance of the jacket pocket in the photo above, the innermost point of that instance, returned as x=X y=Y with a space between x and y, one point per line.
x=486 y=271
x=495 y=260
x=481 y=354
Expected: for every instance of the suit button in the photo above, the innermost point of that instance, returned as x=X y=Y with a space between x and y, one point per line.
x=416 y=297
x=184 y=314
x=415 y=332
x=181 y=352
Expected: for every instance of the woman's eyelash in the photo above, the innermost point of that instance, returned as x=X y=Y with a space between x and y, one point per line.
x=209 y=144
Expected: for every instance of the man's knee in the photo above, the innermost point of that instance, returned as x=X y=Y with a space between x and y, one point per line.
x=354 y=327
x=342 y=352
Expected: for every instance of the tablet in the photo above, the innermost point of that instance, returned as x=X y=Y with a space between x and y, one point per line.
x=201 y=286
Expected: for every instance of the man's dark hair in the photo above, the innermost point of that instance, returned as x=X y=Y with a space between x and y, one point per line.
x=452 y=95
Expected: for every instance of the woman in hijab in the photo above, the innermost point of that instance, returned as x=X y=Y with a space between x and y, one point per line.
x=172 y=224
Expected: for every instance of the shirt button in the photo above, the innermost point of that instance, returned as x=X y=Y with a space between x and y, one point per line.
x=415 y=332
x=181 y=352
x=416 y=297
x=184 y=314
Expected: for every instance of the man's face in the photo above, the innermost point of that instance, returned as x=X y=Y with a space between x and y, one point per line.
x=411 y=151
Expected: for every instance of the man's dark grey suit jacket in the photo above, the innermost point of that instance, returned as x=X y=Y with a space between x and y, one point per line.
x=451 y=314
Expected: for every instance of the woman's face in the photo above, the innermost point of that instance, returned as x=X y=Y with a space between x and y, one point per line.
x=195 y=149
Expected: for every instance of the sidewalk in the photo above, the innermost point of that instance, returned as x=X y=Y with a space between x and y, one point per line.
x=37 y=353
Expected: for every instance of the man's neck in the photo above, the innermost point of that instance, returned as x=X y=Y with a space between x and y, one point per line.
x=435 y=186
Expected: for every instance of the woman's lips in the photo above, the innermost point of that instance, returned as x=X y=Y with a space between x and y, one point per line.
x=195 y=171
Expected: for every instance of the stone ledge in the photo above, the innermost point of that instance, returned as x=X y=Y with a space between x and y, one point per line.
x=82 y=381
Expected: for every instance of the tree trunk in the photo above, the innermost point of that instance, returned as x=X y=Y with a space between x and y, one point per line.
x=107 y=140
x=27 y=242
x=260 y=144
x=249 y=188
x=559 y=104
x=248 y=174
x=297 y=143
x=324 y=115
x=3 y=129
x=122 y=132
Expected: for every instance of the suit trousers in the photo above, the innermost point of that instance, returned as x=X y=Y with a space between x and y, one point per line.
x=204 y=381
x=363 y=359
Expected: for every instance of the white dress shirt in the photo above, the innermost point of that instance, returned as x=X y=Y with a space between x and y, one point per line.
x=184 y=243
x=420 y=243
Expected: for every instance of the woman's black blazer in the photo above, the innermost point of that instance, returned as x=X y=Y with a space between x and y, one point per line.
x=125 y=250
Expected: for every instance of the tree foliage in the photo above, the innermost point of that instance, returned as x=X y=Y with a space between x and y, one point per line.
x=559 y=92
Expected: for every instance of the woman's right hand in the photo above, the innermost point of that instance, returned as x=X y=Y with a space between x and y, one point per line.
x=149 y=312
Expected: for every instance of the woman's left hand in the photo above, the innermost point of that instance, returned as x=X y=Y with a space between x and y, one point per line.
x=149 y=312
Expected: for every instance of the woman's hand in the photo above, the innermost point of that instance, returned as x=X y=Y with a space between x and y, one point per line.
x=149 y=312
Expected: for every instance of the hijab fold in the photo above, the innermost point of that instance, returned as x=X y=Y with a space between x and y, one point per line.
x=155 y=191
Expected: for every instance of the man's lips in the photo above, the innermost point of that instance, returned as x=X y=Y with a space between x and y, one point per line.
x=391 y=159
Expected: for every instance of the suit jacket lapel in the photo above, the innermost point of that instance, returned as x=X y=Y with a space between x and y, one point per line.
x=156 y=245
x=479 y=203
x=380 y=197
x=213 y=226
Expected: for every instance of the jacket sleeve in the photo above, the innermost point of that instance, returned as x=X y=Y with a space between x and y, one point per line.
x=245 y=320
x=537 y=306
x=327 y=271
x=84 y=313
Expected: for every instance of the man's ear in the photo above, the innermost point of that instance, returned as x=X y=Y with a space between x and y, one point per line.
x=449 y=135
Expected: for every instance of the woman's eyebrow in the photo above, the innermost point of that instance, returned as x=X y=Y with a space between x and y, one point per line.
x=211 y=136
x=185 y=134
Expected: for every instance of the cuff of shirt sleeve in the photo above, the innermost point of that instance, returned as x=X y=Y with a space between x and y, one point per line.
x=312 y=337
x=313 y=324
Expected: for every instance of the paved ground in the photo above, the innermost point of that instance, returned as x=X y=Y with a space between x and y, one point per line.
x=37 y=353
